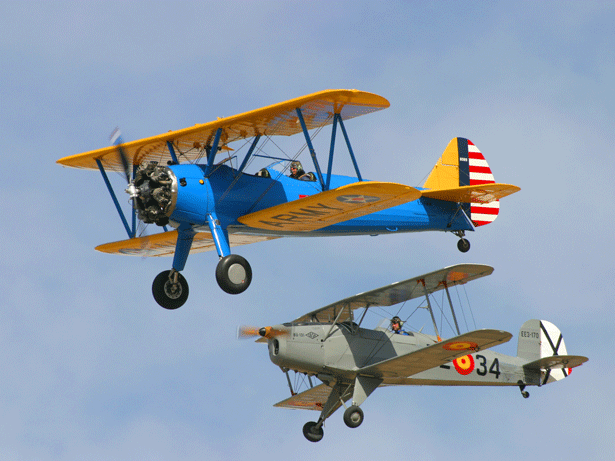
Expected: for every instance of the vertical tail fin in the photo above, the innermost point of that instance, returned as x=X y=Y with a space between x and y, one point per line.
x=543 y=345
x=462 y=164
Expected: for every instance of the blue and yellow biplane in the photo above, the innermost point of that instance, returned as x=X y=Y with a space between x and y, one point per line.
x=215 y=205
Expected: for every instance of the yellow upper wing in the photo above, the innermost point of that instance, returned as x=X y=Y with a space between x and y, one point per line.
x=277 y=119
x=330 y=207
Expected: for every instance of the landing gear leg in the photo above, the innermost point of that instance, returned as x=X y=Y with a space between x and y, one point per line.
x=233 y=272
x=170 y=289
x=524 y=393
x=339 y=394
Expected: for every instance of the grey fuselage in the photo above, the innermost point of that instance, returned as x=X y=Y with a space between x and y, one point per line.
x=340 y=351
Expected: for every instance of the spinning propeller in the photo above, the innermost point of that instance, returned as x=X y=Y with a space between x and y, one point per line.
x=116 y=140
x=151 y=189
x=246 y=331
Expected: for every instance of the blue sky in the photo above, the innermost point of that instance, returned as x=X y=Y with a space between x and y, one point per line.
x=93 y=369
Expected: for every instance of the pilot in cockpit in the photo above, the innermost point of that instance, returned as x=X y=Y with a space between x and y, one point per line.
x=396 y=324
x=296 y=170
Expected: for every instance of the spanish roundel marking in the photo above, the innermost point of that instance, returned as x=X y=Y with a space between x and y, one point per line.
x=461 y=346
x=357 y=198
x=464 y=365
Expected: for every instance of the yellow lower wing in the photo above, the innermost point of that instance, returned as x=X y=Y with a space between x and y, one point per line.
x=483 y=193
x=331 y=207
x=164 y=244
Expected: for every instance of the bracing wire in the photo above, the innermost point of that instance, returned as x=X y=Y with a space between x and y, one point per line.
x=314 y=134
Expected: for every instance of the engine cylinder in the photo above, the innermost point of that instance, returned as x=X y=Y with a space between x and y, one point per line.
x=156 y=193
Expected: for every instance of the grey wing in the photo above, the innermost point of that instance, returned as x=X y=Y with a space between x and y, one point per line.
x=437 y=354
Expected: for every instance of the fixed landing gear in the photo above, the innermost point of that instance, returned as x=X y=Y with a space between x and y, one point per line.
x=313 y=431
x=170 y=289
x=353 y=416
x=233 y=274
x=463 y=244
x=524 y=393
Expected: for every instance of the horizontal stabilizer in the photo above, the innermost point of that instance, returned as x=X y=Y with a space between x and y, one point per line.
x=437 y=354
x=331 y=207
x=483 y=193
x=556 y=362
x=163 y=244
x=312 y=399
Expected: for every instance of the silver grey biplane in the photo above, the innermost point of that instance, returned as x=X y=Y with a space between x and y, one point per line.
x=352 y=362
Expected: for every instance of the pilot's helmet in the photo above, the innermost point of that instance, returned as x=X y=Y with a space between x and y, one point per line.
x=296 y=164
x=396 y=319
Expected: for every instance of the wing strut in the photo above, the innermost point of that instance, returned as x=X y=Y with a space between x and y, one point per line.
x=249 y=154
x=363 y=315
x=435 y=326
x=331 y=150
x=337 y=118
x=212 y=153
x=311 y=148
x=131 y=233
x=354 y=160
x=448 y=295
x=336 y=319
x=172 y=152
x=290 y=386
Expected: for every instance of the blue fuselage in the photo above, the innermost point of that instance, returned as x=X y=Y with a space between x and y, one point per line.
x=230 y=195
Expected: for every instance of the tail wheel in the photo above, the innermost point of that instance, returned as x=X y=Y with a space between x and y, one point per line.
x=522 y=386
x=353 y=416
x=233 y=274
x=312 y=432
x=169 y=291
x=463 y=245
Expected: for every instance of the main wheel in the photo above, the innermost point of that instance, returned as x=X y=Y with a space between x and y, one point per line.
x=312 y=433
x=463 y=245
x=353 y=416
x=233 y=274
x=168 y=294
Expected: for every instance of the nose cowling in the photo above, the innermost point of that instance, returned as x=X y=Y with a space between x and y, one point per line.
x=154 y=193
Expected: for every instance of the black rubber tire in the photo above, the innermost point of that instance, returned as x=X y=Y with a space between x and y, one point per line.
x=161 y=291
x=233 y=274
x=353 y=416
x=463 y=245
x=311 y=433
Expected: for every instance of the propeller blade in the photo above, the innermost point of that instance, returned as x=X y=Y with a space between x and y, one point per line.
x=116 y=140
x=125 y=165
x=246 y=331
